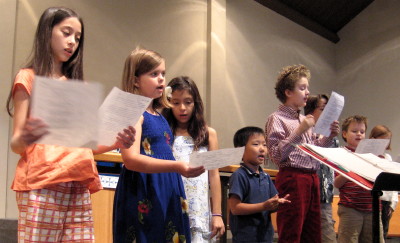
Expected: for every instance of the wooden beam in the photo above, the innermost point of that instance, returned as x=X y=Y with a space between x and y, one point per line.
x=300 y=19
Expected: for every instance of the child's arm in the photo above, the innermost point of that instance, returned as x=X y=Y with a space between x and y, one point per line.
x=339 y=181
x=26 y=130
x=133 y=160
x=239 y=208
x=278 y=142
x=217 y=224
x=124 y=139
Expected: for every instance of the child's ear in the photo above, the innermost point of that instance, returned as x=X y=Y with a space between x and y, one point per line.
x=136 y=82
x=288 y=92
x=344 y=134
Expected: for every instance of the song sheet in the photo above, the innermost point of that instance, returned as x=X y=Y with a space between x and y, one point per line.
x=374 y=146
x=217 y=158
x=119 y=110
x=330 y=114
x=69 y=108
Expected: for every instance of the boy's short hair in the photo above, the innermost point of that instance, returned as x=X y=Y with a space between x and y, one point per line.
x=356 y=118
x=287 y=79
x=242 y=135
x=312 y=103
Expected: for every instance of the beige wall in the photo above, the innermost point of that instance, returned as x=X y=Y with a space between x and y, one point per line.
x=259 y=42
x=7 y=18
x=368 y=58
x=232 y=49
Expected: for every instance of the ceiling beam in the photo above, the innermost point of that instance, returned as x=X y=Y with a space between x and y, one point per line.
x=300 y=19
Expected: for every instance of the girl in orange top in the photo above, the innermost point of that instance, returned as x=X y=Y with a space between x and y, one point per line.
x=53 y=183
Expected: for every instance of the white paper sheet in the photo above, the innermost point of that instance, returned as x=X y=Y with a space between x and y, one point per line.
x=368 y=166
x=69 y=108
x=217 y=158
x=330 y=114
x=119 y=110
x=373 y=146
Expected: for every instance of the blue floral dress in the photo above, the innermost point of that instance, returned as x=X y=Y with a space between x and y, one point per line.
x=151 y=207
x=197 y=192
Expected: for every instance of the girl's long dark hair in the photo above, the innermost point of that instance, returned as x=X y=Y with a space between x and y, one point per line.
x=41 y=60
x=197 y=127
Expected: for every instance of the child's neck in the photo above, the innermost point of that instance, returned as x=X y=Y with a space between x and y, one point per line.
x=181 y=131
x=57 y=71
x=253 y=167
x=150 y=109
x=352 y=148
x=291 y=105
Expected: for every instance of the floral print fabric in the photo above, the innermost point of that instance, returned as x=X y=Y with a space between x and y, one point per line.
x=197 y=192
x=151 y=207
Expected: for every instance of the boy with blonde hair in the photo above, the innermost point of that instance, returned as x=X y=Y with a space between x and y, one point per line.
x=300 y=221
x=355 y=204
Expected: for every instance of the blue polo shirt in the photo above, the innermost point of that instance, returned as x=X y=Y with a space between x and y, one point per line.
x=251 y=187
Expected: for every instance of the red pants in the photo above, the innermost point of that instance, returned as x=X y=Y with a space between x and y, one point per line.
x=299 y=221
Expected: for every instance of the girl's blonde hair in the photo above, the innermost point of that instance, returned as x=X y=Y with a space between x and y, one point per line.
x=139 y=62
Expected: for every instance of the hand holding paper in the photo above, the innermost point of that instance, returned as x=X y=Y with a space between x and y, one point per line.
x=330 y=114
x=33 y=130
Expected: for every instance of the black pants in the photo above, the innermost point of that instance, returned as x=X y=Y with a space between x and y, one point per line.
x=386 y=216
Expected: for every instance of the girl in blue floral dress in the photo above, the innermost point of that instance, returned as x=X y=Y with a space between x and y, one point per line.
x=150 y=203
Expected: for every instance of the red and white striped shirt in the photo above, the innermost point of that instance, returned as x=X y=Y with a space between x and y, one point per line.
x=279 y=131
x=354 y=196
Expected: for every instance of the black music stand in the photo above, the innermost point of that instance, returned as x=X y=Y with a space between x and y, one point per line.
x=386 y=182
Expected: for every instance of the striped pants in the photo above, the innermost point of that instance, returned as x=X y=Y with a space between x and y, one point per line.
x=60 y=213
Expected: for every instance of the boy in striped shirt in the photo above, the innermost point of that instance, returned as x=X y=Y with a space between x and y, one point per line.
x=355 y=204
x=299 y=221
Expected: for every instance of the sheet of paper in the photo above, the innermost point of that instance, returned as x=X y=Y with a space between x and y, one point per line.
x=119 y=110
x=69 y=108
x=373 y=146
x=368 y=185
x=217 y=158
x=384 y=164
x=330 y=114
x=368 y=166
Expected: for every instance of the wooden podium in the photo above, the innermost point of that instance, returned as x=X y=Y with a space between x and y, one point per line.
x=103 y=200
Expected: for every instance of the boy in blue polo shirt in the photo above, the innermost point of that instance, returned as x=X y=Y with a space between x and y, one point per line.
x=252 y=194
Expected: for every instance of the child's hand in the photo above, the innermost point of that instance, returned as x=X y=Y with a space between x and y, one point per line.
x=334 y=129
x=218 y=227
x=284 y=199
x=33 y=130
x=273 y=203
x=308 y=122
x=125 y=138
x=187 y=171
